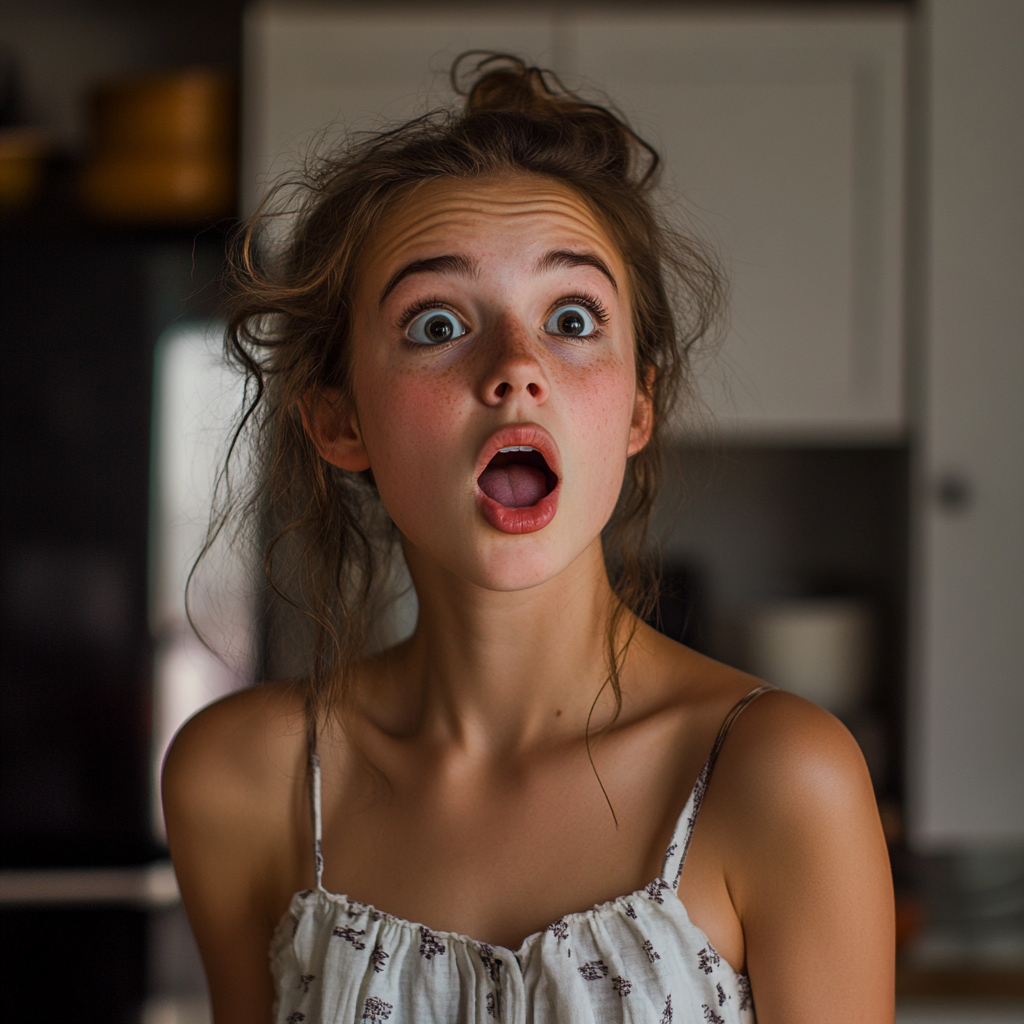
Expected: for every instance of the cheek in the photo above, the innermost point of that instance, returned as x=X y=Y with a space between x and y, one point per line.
x=600 y=406
x=420 y=407
x=411 y=424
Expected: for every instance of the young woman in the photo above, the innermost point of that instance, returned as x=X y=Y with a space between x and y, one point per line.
x=471 y=344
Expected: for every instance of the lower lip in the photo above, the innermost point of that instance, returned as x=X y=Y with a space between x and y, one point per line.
x=520 y=520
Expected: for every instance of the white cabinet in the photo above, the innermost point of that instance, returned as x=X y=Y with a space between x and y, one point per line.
x=967 y=752
x=782 y=136
x=784 y=142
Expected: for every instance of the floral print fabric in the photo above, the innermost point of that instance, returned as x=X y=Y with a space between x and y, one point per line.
x=637 y=958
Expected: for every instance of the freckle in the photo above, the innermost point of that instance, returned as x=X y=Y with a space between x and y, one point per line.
x=558 y=712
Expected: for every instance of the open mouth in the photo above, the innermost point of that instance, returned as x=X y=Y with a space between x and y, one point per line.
x=518 y=476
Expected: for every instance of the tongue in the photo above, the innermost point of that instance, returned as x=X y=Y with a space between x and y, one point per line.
x=514 y=486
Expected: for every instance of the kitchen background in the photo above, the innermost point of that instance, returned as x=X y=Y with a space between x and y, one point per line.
x=844 y=514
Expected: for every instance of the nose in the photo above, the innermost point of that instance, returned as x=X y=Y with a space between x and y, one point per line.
x=516 y=370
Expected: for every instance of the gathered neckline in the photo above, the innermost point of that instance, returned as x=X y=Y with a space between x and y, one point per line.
x=658 y=884
x=643 y=896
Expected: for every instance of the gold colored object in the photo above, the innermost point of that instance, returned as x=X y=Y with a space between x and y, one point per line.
x=22 y=153
x=162 y=149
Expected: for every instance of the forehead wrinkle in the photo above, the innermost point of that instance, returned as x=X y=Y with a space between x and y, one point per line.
x=421 y=209
x=411 y=223
x=442 y=214
x=411 y=235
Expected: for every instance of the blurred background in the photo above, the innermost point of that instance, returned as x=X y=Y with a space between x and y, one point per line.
x=844 y=513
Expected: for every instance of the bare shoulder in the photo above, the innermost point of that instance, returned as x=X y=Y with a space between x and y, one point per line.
x=804 y=862
x=233 y=789
x=787 y=759
x=801 y=841
x=240 y=745
x=234 y=785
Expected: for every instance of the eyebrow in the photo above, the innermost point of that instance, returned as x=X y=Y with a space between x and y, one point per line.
x=567 y=258
x=453 y=263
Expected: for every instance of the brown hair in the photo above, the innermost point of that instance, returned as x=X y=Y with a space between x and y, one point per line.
x=290 y=314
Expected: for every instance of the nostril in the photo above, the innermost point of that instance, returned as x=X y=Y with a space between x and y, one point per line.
x=533 y=389
x=501 y=390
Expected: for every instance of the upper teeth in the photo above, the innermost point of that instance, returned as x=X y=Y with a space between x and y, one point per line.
x=517 y=448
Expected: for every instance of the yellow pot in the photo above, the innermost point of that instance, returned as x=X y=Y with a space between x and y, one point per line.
x=187 y=110
x=162 y=149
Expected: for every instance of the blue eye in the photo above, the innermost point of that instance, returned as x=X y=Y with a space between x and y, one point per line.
x=435 y=327
x=570 y=322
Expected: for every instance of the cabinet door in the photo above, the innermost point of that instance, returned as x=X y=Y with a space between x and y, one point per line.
x=966 y=782
x=783 y=139
x=307 y=71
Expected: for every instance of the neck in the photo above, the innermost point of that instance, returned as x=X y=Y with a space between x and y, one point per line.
x=491 y=671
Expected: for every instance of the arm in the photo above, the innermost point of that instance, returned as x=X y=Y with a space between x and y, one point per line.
x=807 y=868
x=227 y=803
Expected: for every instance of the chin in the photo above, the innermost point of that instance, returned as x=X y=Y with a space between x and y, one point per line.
x=516 y=568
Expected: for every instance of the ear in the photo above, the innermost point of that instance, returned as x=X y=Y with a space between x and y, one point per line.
x=333 y=427
x=643 y=414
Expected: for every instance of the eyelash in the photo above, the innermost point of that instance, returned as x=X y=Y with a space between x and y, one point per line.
x=421 y=307
x=589 y=302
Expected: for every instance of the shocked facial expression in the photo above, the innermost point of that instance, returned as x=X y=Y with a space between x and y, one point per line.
x=494 y=377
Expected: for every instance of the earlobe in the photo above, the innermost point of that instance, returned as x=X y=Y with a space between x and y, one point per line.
x=643 y=415
x=333 y=427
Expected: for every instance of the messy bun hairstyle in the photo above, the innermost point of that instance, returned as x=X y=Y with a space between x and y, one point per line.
x=290 y=313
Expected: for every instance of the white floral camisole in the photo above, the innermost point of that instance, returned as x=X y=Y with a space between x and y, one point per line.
x=638 y=958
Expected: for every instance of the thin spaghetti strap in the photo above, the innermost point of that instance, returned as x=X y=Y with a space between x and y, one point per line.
x=314 y=807
x=730 y=718
x=675 y=856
